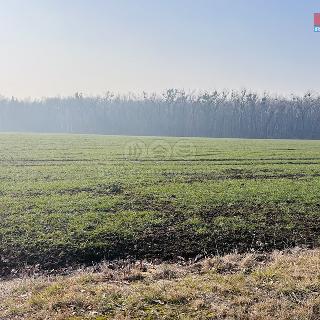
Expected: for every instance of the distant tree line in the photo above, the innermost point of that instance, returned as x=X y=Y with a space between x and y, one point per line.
x=173 y=113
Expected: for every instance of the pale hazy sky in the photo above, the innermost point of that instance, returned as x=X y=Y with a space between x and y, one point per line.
x=51 y=47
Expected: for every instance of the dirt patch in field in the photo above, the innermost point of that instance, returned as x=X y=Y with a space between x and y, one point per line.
x=101 y=189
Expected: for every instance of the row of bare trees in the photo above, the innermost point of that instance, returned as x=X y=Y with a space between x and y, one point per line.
x=173 y=113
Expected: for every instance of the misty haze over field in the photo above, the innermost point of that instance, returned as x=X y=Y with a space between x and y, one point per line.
x=172 y=113
x=56 y=48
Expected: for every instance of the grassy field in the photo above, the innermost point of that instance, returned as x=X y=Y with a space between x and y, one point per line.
x=279 y=285
x=70 y=199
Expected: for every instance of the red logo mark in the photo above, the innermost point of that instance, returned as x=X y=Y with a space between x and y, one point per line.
x=316 y=18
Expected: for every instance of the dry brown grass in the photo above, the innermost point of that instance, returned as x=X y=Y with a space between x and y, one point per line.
x=280 y=285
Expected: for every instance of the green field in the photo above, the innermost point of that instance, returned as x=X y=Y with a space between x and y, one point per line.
x=69 y=199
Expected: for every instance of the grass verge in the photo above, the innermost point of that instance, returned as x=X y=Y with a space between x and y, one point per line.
x=281 y=285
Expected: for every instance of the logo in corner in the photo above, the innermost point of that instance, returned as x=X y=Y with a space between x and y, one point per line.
x=316 y=22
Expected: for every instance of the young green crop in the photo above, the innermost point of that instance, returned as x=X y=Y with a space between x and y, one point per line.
x=67 y=199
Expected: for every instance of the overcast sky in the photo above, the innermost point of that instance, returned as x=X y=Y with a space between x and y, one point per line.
x=51 y=47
